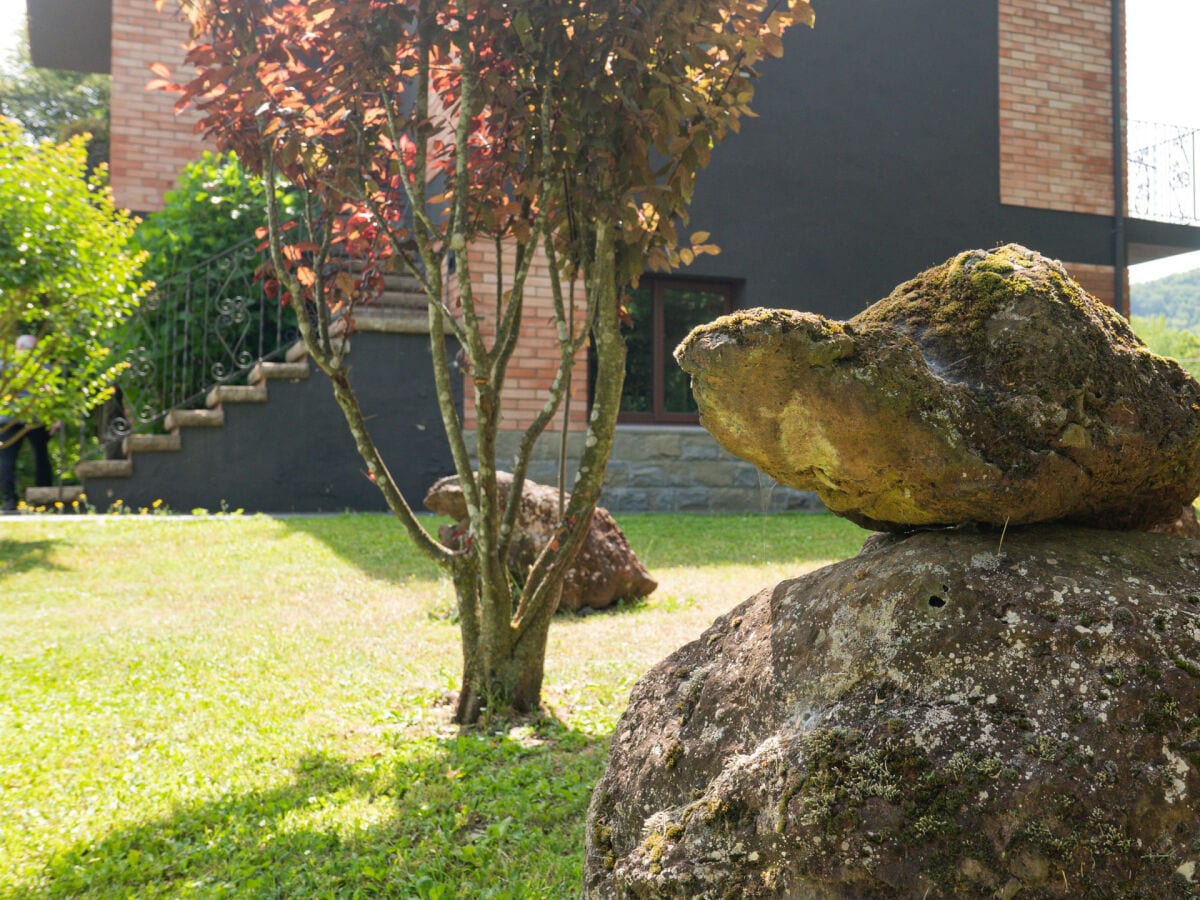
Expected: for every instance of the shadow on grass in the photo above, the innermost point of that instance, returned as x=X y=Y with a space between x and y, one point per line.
x=430 y=818
x=377 y=545
x=22 y=556
x=380 y=547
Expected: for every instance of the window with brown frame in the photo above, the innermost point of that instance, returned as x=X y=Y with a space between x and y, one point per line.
x=663 y=311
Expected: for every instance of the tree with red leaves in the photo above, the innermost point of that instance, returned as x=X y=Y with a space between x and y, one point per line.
x=573 y=129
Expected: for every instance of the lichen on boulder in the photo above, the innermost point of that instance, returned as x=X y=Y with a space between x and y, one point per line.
x=605 y=569
x=935 y=717
x=990 y=389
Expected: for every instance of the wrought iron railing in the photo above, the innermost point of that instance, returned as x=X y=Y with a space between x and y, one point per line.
x=206 y=326
x=1162 y=172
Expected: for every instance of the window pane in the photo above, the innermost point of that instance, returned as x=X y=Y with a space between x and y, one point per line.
x=639 y=359
x=683 y=310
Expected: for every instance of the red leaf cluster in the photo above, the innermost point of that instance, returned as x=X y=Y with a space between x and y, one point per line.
x=577 y=111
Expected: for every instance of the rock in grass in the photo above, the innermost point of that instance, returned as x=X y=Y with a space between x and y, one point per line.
x=930 y=718
x=605 y=570
x=990 y=389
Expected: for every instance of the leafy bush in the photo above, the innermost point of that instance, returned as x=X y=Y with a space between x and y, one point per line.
x=69 y=273
x=216 y=205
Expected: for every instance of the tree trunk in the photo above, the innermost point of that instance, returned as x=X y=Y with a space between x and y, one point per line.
x=504 y=649
x=502 y=668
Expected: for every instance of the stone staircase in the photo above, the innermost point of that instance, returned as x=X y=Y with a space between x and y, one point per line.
x=181 y=422
x=294 y=454
x=400 y=309
x=280 y=442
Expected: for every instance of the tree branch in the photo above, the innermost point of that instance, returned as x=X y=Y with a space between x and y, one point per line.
x=378 y=472
x=535 y=601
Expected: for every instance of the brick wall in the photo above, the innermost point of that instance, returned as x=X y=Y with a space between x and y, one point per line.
x=535 y=362
x=150 y=144
x=1099 y=282
x=1056 y=105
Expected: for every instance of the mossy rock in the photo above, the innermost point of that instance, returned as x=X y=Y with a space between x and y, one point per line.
x=936 y=717
x=990 y=389
x=604 y=571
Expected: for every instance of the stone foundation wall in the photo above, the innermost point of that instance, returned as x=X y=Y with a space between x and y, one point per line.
x=667 y=468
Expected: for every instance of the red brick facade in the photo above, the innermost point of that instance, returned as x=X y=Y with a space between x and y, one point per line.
x=1056 y=105
x=535 y=362
x=150 y=143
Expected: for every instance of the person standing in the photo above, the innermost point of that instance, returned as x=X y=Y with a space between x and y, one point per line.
x=13 y=433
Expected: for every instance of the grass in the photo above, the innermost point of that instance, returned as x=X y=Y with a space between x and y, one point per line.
x=254 y=707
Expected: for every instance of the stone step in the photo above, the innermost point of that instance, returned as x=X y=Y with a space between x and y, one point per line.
x=395 y=320
x=296 y=352
x=399 y=290
x=47 y=496
x=278 y=371
x=236 y=393
x=393 y=281
x=104 y=468
x=153 y=443
x=193 y=418
x=414 y=300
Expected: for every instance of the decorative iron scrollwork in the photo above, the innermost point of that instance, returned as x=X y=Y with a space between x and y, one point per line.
x=1162 y=173
x=206 y=326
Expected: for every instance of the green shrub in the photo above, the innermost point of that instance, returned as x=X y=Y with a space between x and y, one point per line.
x=69 y=274
x=216 y=205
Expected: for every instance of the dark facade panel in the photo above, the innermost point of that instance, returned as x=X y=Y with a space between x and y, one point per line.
x=875 y=155
x=74 y=35
x=1154 y=240
x=295 y=453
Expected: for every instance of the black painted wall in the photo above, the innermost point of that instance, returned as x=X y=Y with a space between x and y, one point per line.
x=294 y=453
x=875 y=155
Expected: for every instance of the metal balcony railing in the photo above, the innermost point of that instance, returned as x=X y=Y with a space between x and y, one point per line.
x=1163 y=172
x=204 y=327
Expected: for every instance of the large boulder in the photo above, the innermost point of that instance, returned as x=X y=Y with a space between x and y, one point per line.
x=605 y=570
x=990 y=389
x=937 y=717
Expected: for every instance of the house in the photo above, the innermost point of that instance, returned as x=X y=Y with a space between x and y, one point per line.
x=889 y=137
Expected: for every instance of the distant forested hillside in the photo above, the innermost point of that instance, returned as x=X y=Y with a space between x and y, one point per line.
x=1176 y=298
x=1164 y=340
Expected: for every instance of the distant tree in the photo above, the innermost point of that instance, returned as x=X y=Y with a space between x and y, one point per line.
x=55 y=105
x=1164 y=340
x=1176 y=298
x=68 y=275
x=415 y=128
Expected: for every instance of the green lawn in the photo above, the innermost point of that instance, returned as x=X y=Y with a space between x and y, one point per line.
x=255 y=707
